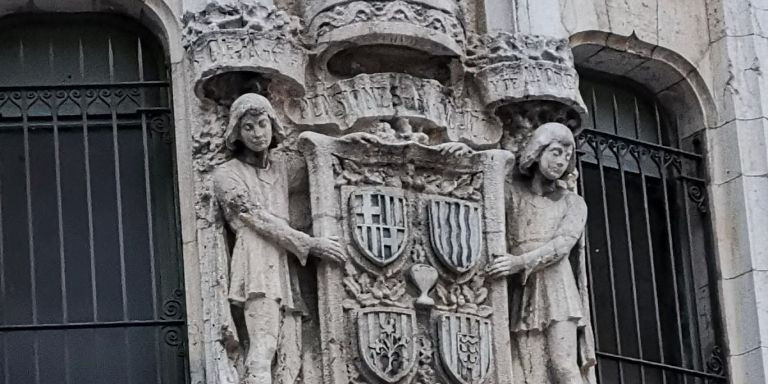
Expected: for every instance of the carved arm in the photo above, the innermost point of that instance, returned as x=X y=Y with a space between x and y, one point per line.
x=240 y=211
x=566 y=236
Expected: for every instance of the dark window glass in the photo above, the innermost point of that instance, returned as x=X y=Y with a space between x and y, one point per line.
x=647 y=240
x=90 y=271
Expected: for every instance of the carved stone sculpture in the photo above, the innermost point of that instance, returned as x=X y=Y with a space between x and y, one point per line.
x=381 y=101
x=252 y=192
x=226 y=39
x=412 y=217
x=512 y=68
x=549 y=315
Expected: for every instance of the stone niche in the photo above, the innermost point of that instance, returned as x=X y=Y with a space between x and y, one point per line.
x=372 y=99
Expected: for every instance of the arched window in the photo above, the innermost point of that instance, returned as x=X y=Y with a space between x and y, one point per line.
x=90 y=276
x=647 y=240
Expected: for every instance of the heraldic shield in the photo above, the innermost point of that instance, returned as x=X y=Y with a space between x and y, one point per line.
x=456 y=231
x=386 y=340
x=465 y=347
x=379 y=224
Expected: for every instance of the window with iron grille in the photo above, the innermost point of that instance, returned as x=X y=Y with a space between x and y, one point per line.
x=648 y=240
x=90 y=271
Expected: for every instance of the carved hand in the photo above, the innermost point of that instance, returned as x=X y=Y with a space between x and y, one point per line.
x=505 y=265
x=328 y=248
x=362 y=138
x=454 y=148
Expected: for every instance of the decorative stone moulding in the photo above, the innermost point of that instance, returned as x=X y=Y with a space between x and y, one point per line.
x=431 y=26
x=511 y=68
x=351 y=103
x=244 y=38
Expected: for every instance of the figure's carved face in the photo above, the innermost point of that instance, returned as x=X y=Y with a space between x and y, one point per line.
x=256 y=131
x=554 y=160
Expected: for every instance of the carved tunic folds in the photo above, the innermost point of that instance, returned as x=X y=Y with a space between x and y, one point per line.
x=260 y=265
x=549 y=290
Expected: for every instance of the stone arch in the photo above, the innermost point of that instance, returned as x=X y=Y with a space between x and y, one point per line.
x=156 y=15
x=673 y=80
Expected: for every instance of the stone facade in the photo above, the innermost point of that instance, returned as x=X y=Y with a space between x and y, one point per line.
x=375 y=96
x=373 y=99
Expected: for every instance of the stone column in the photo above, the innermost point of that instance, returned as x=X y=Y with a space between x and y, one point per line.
x=739 y=179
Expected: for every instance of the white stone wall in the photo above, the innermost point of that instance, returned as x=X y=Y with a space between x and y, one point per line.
x=739 y=179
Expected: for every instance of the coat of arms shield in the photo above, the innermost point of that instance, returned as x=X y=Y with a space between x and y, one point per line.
x=465 y=347
x=379 y=223
x=386 y=341
x=456 y=232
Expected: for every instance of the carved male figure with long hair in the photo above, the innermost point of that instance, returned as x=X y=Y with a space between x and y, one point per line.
x=549 y=313
x=252 y=192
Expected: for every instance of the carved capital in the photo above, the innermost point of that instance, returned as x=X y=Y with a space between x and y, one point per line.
x=511 y=68
x=430 y=26
x=244 y=37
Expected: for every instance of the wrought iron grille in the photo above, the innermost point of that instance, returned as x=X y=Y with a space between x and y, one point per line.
x=90 y=267
x=647 y=242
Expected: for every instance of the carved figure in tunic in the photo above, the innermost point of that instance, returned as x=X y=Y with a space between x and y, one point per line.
x=252 y=192
x=551 y=335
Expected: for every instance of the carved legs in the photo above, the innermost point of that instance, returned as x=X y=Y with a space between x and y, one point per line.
x=562 y=346
x=274 y=337
x=262 y=319
x=529 y=352
x=547 y=357
x=289 y=356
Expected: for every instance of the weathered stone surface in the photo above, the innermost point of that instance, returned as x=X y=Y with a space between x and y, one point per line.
x=634 y=16
x=549 y=313
x=349 y=104
x=684 y=21
x=406 y=200
x=430 y=25
x=746 y=333
x=747 y=368
x=511 y=68
x=384 y=179
x=244 y=37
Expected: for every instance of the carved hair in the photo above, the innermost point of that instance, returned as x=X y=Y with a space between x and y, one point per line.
x=253 y=103
x=542 y=137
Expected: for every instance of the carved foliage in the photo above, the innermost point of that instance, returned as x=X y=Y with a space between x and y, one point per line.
x=373 y=290
x=484 y=50
x=242 y=15
x=511 y=68
x=425 y=374
x=520 y=119
x=462 y=186
x=388 y=11
x=243 y=36
x=465 y=297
